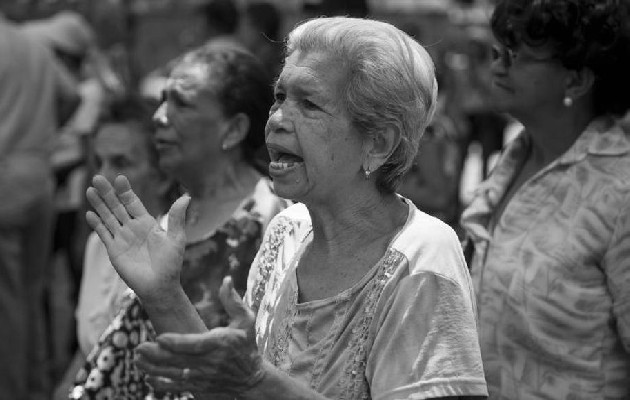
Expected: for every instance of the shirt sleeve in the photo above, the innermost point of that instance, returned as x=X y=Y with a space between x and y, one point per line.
x=616 y=265
x=427 y=345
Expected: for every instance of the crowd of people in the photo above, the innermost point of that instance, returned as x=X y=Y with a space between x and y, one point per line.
x=269 y=218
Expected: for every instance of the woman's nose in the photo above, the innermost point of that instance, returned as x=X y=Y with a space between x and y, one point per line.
x=278 y=121
x=160 y=118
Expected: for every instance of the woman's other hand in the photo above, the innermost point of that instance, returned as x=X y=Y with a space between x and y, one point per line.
x=146 y=257
x=223 y=361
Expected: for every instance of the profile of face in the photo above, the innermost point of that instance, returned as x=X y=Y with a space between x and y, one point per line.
x=121 y=149
x=189 y=122
x=526 y=79
x=315 y=150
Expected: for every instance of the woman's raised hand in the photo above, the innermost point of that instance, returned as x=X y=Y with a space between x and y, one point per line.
x=147 y=257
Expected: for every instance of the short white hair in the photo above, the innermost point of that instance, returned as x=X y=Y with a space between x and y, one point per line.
x=391 y=81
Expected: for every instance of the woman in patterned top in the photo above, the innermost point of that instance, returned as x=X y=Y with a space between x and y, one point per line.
x=354 y=293
x=551 y=225
x=210 y=128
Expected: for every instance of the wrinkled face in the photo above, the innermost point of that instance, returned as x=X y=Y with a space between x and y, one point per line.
x=189 y=123
x=526 y=79
x=122 y=149
x=314 y=149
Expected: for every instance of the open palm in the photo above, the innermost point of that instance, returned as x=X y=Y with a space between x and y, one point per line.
x=148 y=258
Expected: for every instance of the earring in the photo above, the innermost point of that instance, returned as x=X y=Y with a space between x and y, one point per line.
x=567 y=101
x=367 y=173
x=224 y=147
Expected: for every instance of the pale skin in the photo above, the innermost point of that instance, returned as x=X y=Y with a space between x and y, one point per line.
x=353 y=222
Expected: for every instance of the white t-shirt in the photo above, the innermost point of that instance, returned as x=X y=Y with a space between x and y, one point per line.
x=406 y=330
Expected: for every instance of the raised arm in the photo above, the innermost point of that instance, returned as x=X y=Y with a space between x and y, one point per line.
x=148 y=258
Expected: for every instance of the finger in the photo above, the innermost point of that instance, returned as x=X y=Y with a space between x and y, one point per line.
x=241 y=316
x=95 y=223
x=108 y=194
x=162 y=384
x=169 y=371
x=105 y=215
x=190 y=343
x=176 y=219
x=130 y=201
x=154 y=354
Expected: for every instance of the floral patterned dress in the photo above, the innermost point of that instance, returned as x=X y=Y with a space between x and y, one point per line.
x=109 y=371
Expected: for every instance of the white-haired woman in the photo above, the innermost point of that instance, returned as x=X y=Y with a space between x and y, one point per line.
x=354 y=293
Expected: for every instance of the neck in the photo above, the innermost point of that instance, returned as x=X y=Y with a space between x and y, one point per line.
x=355 y=220
x=555 y=131
x=227 y=180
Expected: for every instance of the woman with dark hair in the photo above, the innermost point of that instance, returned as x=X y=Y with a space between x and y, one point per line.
x=550 y=228
x=210 y=130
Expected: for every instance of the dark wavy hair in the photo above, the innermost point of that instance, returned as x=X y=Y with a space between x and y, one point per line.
x=239 y=81
x=593 y=34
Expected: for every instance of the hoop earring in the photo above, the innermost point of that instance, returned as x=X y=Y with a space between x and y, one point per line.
x=567 y=101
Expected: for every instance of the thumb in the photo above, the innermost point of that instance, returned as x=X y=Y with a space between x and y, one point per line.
x=241 y=316
x=177 y=218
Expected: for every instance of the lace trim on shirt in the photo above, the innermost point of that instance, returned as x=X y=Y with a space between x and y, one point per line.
x=280 y=343
x=352 y=384
x=269 y=257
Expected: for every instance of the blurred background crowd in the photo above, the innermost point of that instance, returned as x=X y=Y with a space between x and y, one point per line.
x=115 y=55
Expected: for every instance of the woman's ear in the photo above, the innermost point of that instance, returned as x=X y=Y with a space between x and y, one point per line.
x=579 y=83
x=380 y=146
x=236 y=132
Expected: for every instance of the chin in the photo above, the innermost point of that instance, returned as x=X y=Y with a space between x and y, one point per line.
x=289 y=192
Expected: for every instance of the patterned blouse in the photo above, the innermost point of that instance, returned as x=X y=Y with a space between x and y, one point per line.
x=553 y=276
x=406 y=330
x=109 y=372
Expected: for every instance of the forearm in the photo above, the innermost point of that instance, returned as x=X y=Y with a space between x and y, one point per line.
x=277 y=385
x=172 y=311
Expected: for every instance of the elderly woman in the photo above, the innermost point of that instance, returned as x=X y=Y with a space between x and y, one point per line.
x=211 y=119
x=354 y=292
x=551 y=226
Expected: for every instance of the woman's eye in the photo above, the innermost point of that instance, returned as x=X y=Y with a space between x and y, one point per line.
x=309 y=104
x=279 y=96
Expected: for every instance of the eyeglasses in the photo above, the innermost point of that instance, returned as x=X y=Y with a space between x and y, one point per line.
x=511 y=57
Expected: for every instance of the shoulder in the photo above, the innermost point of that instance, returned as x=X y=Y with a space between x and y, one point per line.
x=430 y=245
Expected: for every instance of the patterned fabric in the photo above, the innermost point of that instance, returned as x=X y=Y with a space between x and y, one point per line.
x=109 y=372
x=406 y=330
x=553 y=276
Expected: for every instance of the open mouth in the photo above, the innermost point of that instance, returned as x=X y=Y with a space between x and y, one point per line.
x=282 y=159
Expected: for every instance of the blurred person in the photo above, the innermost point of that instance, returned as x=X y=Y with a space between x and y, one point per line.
x=432 y=182
x=469 y=73
x=259 y=30
x=209 y=130
x=36 y=96
x=550 y=228
x=74 y=45
x=354 y=293
x=123 y=144
x=221 y=22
